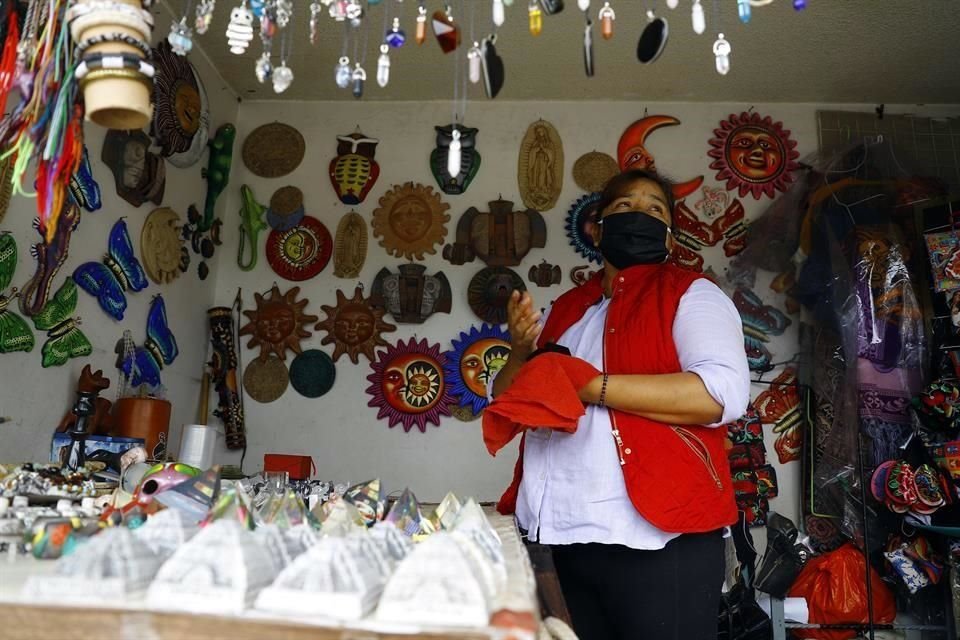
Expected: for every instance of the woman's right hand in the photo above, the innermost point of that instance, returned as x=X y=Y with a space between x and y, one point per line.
x=523 y=322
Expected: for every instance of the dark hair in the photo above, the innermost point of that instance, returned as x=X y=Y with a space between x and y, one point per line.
x=619 y=183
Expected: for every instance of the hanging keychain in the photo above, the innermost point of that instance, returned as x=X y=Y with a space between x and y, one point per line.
x=240 y=30
x=473 y=55
x=697 y=18
x=721 y=48
x=421 y=32
x=283 y=75
x=383 y=62
x=359 y=75
x=607 y=16
x=315 y=10
x=535 y=14
x=180 y=36
x=446 y=30
x=499 y=13
x=588 y=46
x=342 y=73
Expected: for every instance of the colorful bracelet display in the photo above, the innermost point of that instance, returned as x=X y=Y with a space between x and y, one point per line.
x=100 y=61
x=141 y=45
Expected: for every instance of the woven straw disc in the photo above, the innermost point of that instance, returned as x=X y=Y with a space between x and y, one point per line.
x=593 y=170
x=273 y=150
x=286 y=200
x=266 y=380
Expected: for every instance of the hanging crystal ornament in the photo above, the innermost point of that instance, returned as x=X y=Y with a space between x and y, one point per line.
x=799 y=5
x=354 y=13
x=204 y=15
x=396 y=36
x=180 y=38
x=743 y=8
x=256 y=7
x=454 y=154
x=383 y=65
x=359 y=77
x=263 y=68
x=282 y=76
x=673 y=4
x=342 y=72
x=315 y=10
x=474 y=63
x=499 y=13
x=607 y=16
x=583 y=5
x=536 y=17
x=421 y=33
x=240 y=29
x=283 y=12
x=588 y=47
x=508 y=3
x=698 y=18
x=722 y=49
x=338 y=10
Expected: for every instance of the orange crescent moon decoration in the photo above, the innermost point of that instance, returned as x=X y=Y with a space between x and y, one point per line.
x=632 y=152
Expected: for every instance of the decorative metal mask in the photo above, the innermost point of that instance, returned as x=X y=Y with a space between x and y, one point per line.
x=158 y=350
x=223 y=374
x=489 y=291
x=410 y=221
x=472 y=361
x=162 y=250
x=64 y=338
x=469 y=162
x=632 y=152
x=580 y=222
x=411 y=296
x=278 y=323
x=540 y=166
x=407 y=385
x=354 y=326
x=110 y=279
x=181 y=113
x=139 y=174
x=350 y=246
x=15 y=334
x=753 y=155
x=545 y=274
x=300 y=253
x=501 y=238
x=354 y=171
x=51 y=252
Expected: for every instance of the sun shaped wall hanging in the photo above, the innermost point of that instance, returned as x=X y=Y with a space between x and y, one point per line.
x=278 y=323
x=579 y=225
x=407 y=385
x=301 y=252
x=181 y=115
x=354 y=326
x=753 y=154
x=410 y=221
x=473 y=360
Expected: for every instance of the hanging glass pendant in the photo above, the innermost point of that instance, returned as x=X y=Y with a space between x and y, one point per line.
x=282 y=77
x=799 y=5
x=355 y=13
x=722 y=49
x=454 y=154
x=673 y=4
x=263 y=68
x=342 y=74
x=474 y=63
x=383 y=65
x=240 y=30
x=607 y=16
x=204 y=15
x=359 y=77
x=588 y=48
x=446 y=30
x=421 y=33
x=284 y=10
x=180 y=38
x=583 y=5
x=395 y=37
x=698 y=18
x=338 y=10
x=256 y=7
x=508 y=3
x=499 y=13
x=743 y=8
x=536 y=18
x=315 y=10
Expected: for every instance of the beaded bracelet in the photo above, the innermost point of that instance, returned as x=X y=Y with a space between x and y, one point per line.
x=125 y=38
x=86 y=8
x=113 y=61
x=111 y=18
x=118 y=74
x=603 y=390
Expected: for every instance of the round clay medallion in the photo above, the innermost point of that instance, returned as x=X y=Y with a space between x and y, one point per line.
x=300 y=253
x=161 y=246
x=312 y=373
x=489 y=291
x=286 y=208
x=273 y=150
x=266 y=380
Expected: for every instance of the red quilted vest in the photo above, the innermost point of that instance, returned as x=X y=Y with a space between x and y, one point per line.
x=677 y=476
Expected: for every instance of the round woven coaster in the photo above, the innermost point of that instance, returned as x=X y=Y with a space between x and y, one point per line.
x=286 y=200
x=266 y=380
x=593 y=170
x=312 y=373
x=273 y=150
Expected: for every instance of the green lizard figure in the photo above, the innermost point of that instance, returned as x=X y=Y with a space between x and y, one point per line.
x=251 y=224
x=218 y=171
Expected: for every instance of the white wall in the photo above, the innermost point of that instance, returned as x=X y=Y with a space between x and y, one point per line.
x=35 y=399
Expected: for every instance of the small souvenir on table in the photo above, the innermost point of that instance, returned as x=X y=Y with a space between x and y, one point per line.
x=632 y=152
x=15 y=334
x=760 y=321
x=161 y=246
x=353 y=172
x=368 y=499
x=223 y=374
x=181 y=115
x=350 y=246
x=753 y=155
x=83 y=186
x=286 y=208
x=300 y=252
x=158 y=350
x=50 y=253
x=265 y=380
x=445 y=30
x=52 y=538
x=545 y=274
x=120 y=270
x=64 y=338
x=407 y=385
x=138 y=173
x=410 y=221
x=251 y=224
x=489 y=291
x=273 y=150
x=472 y=361
x=88 y=388
x=278 y=323
x=944 y=251
x=540 y=166
x=500 y=237
x=100 y=422
x=354 y=326
x=405 y=513
x=492 y=66
x=312 y=373
x=593 y=170
x=469 y=158
x=580 y=224
x=411 y=296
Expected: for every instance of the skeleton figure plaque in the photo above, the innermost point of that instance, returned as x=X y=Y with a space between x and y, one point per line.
x=540 y=166
x=500 y=237
x=411 y=296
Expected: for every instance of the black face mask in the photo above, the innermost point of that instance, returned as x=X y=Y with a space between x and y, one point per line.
x=633 y=237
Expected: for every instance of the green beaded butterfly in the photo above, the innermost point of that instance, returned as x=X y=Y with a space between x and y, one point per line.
x=15 y=334
x=64 y=338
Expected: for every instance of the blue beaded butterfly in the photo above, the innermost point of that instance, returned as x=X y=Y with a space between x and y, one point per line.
x=159 y=349
x=119 y=271
x=84 y=187
x=760 y=321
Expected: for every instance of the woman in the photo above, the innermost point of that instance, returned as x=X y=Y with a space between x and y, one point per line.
x=634 y=502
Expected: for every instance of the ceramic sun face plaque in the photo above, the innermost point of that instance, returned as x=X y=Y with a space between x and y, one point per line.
x=411 y=221
x=354 y=171
x=181 y=114
x=354 y=326
x=500 y=237
x=411 y=296
x=162 y=252
x=490 y=290
x=408 y=386
x=753 y=155
x=301 y=252
x=540 y=166
x=278 y=323
x=350 y=246
x=474 y=359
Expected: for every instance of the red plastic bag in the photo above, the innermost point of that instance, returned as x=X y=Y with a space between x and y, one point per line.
x=836 y=592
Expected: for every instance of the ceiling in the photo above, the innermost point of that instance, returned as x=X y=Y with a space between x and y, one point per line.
x=836 y=51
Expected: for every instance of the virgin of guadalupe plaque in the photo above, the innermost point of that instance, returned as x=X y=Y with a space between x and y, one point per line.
x=540 y=166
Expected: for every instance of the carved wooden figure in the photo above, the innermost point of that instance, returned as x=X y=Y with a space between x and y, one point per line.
x=545 y=274
x=411 y=296
x=500 y=237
